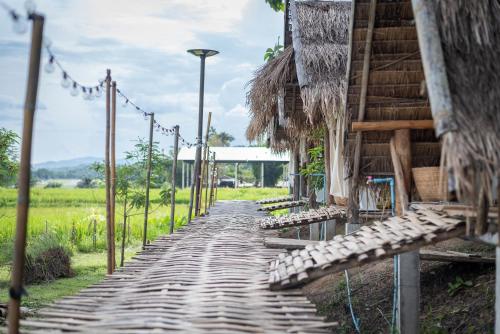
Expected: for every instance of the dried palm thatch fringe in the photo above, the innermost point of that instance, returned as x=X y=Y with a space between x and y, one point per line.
x=323 y=31
x=262 y=98
x=470 y=34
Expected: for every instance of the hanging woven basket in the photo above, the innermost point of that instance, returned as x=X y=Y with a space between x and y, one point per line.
x=430 y=186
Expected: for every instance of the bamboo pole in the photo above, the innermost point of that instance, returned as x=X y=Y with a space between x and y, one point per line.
x=113 y=172
x=23 y=196
x=354 y=191
x=148 y=180
x=207 y=174
x=174 y=171
x=392 y=125
x=191 y=195
x=124 y=232
x=109 y=234
x=211 y=201
x=203 y=163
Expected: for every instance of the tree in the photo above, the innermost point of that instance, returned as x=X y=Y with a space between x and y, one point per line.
x=219 y=139
x=272 y=172
x=276 y=5
x=161 y=164
x=9 y=164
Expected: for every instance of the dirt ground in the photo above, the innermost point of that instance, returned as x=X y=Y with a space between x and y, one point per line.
x=455 y=297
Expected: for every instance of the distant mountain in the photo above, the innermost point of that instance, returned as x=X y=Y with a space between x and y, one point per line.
x=70 y=163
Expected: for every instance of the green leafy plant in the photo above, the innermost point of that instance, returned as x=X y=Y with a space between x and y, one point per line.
x=276 y=5
x=315 y=167
x=53 y=184
x=274 y=52
x=458 y=285
x=8 y=157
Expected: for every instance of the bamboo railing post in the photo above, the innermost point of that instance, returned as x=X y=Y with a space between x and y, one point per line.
x=203 y=164
x=207 y=174
x=113 y=172
x=107 y=166
x=174 y=171
x=191 y=194
x=353 y=217
x=148 y=180
x=23 y=196
x=211 y=200
x=124 y=232
x=217 y=185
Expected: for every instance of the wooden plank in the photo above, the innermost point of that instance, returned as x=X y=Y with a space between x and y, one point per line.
x=392 y=125
x=449 y=256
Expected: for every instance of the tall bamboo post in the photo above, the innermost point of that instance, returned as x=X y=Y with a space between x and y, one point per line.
x=109 y=234
x=124 y=232
x=23 y=196
x=207 y=168
x=203 y=164
x=211 y=200
x=174 y=172
x=353 y=217
x=148 y=180
x=191 y=194
x=113 y=172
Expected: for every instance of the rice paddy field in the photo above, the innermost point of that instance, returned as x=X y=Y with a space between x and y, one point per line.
x=77 y=218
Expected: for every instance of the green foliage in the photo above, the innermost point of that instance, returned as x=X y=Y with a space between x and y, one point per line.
x=315 y=166
x=458 y=285
x=276 y=5
x=53 y=184
x=9 y=165
x=274 y=52
x=272 y=173
x=219 y=138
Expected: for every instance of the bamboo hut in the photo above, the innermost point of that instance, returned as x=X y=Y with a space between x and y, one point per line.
x=436 y=96
x=302 y=89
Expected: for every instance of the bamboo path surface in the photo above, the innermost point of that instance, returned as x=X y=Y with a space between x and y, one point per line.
x=275 y=200
x=209 y=277
x=382 y=239
x=282 y=205
x=303 y=217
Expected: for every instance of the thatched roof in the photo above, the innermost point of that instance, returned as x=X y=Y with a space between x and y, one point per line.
x=470 y=37
x=307 y=81
x=262 y=98
x=320 y=38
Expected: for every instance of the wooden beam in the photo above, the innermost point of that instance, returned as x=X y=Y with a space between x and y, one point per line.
x=451 y=256
x=392 y=125
x=289 y=244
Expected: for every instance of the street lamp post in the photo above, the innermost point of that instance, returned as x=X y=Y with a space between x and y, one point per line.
x=203 y=54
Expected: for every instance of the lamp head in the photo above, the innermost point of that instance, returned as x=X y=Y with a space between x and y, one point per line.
x=202 y=52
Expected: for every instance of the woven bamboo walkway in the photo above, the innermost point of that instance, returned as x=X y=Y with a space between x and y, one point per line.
x=303 y=218
x=383 y=239
x=210 y=277
x=275 y=200
x=282 y=205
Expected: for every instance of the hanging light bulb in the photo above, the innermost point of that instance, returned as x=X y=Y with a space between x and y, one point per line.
x=125 y=103
x=47 y=42
x=49 y=67
x=74 y=89
x=145 y=116
x=65 y=82
x=20 y=25
x=91 y=94
x=98 y=92
x=85 y=94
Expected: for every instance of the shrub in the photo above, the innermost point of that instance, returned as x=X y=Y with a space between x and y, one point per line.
x=47 y=259
x=53 y=184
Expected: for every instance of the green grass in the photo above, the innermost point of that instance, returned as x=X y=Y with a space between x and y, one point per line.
x=69 y=213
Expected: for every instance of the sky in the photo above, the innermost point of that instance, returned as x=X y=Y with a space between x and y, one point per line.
x=144 y=44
